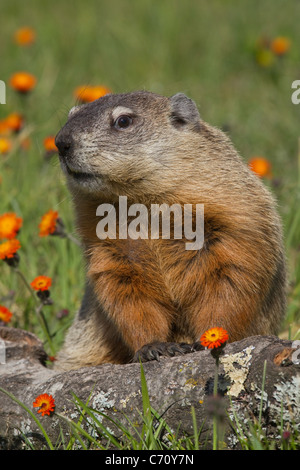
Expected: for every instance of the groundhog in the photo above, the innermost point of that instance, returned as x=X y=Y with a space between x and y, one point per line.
x=150 y=297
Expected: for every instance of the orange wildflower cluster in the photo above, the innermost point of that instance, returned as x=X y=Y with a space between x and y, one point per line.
x=41 y=283
x=9 y=249
x=46 y=403
x=280 y=45
x=268 y=50
x=5 y=314
x=48 y=223
x=3 y=128
x=23 y=82
x=10 y=225
x=24 y=36
x=261 y=166
x=5 y=145
x=214 y=338
x=12 y=123
x=86 y=94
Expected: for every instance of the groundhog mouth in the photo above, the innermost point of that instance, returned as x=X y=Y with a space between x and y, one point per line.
x=79 y=175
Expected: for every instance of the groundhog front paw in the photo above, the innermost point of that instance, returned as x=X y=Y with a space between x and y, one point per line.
x=153 y=351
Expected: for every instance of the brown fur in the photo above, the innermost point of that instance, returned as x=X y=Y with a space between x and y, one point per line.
x=141 y=291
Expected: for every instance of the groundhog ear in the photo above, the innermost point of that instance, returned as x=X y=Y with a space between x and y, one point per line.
x=184 y=112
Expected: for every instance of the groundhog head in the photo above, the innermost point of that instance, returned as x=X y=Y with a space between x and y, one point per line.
x=123 y=143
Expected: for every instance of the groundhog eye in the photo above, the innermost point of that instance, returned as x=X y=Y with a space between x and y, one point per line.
x=122 y=122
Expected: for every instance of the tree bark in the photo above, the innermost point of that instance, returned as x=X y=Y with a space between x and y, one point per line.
x=174 y=385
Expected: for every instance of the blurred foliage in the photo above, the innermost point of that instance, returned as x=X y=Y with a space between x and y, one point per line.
x=216 y=52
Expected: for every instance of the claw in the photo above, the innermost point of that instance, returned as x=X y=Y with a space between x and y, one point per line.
x=155 y=354
x=154 y=351
x=197 y=346
x=173 y=349
x=187 y=348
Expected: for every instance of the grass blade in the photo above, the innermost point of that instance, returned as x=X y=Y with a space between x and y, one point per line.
x=36 y=420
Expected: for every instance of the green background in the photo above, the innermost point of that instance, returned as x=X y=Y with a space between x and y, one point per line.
x=204 y=49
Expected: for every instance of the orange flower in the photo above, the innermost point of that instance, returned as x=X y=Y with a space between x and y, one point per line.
x=4 y=129
x=41 y=283
x=5 y=314
x=45 y=402
x=14 y=122
x=9 y=249
x=23 y=82
x=10 y=225
x=280 y=45
x=48 y=223
x=86 y=94
x=49 y=144
x=261 y=166
x=214 y=338
x=24 y=36
x=5 y=145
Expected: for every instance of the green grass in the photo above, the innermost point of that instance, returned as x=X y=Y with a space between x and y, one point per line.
x=205 y=49
x=94 y=430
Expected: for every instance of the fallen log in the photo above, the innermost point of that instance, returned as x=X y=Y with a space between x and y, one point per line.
x=258 y=378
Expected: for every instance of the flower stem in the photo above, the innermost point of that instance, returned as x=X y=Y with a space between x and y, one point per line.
x=216 y=377
x=215 y=418
x=38 y=310
x=43 y=322
x=73 y=239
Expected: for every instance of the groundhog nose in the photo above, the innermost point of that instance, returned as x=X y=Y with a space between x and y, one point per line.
x=64 y=144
